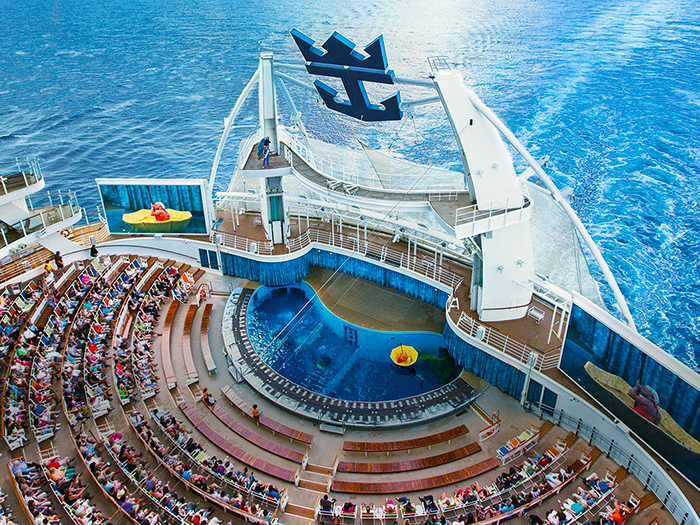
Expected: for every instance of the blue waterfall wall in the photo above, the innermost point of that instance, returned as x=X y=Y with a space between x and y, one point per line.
x=507 y=378
x=268 y=273
x=292 y=271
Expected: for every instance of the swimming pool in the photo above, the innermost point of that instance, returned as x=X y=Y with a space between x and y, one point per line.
x=333 y=357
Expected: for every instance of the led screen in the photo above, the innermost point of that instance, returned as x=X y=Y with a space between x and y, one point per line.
x=653 y=401
x=149 y=207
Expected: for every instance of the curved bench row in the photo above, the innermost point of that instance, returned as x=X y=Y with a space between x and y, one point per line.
x=416 y=464
x=273 y=425
x=409 y=444
x=232 y=450
x=252 y=437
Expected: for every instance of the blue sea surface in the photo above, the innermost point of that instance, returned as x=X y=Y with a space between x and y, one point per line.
x=609 y=89
x=297 y=336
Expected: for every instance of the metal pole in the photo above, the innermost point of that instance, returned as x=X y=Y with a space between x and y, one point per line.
x=551 y=325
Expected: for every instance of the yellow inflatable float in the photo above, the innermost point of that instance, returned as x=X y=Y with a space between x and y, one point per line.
x=143 y=221
x=404 y=355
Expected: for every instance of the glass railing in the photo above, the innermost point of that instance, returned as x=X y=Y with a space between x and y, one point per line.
x=45 y=211
x=18 y=174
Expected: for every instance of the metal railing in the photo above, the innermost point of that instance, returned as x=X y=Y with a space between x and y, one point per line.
x=506 y=344
x=18 y=174
x=424 y=266
x=668 y=493
x=48 y=210
x=241 y=243
x=498 y=209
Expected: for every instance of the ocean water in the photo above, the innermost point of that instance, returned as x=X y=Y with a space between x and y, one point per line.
x=609 y=89
x=297 y=336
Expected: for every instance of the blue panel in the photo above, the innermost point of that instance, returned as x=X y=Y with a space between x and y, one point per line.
x=534 y=392
x=213 y=261
x=590 y=341
x=203 y=259
x=549 y=400
x=340 y=60
x=509 y=379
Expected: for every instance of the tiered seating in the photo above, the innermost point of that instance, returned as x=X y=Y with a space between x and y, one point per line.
x=204 y=340
x=593 y=502
x=525 y=476
x=251 y=436
x=85 y=385
x=417 y=464
x=34 y=355
x=191 y=375
x=409 y=444
x=135 y=361
x=27 y=479
x=136 y=471
x=93 y=349
x=244 y=483
x=115 y=488
x=275 y=426
x=131 y=370
x=232 y=450
x=231 y=491
x=72 y=494
x=165 y=357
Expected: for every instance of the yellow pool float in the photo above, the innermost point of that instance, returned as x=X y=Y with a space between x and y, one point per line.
x=143 y=222
x=404 y=355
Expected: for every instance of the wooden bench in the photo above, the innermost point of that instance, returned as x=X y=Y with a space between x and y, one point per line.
x=165 y=357
x=232 y=450
x=191 y=375
x=414 y=485
x=204 y=340
x=254 y=438
x=393 y=446
x=267 y=422
x=416 y=464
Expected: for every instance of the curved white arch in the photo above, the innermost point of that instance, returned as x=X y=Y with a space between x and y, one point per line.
x=562 y=202
x=229 y=124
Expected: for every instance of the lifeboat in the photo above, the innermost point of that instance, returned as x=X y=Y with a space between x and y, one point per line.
x=143 y=222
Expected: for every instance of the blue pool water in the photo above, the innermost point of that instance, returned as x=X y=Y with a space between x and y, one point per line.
x=609 y=89
x=309 y=345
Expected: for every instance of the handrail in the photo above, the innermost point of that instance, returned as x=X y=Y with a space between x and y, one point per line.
x=27 y=174
x=498 y=207
x=45 y=217
x=506 y=344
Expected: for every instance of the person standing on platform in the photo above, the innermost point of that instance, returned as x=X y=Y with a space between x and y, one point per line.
x=266 y=154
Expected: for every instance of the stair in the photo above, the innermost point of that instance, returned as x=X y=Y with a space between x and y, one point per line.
x=481 y=413
x=334 y=429
x=620 y=474
x=546 y=427
x=594 y=454
x=570 y=439
x=299 y=511
x=646 y=501
x=315 y=486
x=319 y=469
